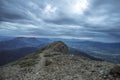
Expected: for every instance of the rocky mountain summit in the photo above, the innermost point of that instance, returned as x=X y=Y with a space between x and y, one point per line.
x=54 y=62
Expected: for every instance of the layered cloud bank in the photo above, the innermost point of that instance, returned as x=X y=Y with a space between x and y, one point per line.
x=73 y=19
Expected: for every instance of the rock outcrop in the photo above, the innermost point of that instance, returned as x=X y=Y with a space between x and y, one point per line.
x=53 y=62
x=57 y=46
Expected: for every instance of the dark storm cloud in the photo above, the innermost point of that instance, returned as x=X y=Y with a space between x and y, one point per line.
x=65 y=18
x=8 y=12
x=63 y=21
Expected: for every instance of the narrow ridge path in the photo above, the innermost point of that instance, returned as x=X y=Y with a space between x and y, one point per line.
x=41 y=63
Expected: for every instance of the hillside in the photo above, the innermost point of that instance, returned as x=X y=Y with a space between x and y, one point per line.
x=20 y=42
x=15 y=48
x=105 y=51
x=54 y=62
x=7 y=56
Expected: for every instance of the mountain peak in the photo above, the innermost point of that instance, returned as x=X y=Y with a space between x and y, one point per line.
x=57 y=46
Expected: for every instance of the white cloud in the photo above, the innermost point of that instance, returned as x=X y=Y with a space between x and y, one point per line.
x=97 y=20
x=49 y=9
x=79 y=6
x=49 y=12
x=33 y=5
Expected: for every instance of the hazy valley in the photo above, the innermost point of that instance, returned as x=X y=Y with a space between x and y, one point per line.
x=12 y=49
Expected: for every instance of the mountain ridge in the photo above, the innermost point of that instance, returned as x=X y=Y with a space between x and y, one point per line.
x=54 y=62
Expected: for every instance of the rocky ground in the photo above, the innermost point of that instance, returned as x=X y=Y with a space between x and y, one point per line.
x=53 y=62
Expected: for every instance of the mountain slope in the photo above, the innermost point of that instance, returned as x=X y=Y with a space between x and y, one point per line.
x=80 y=53
x=104 y=51
x=7 y=56
x=54 y=62
x=15 y=48
x=20 y=42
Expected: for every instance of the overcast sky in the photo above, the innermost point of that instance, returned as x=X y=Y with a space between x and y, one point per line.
x=72 y=19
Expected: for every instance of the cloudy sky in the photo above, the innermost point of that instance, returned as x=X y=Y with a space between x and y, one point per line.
x=72 y=19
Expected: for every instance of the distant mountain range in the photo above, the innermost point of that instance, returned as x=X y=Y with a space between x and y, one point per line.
x=14 y=48
x=20 y=42
x=100 y=50
x=105 y=51
x=2 y=38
